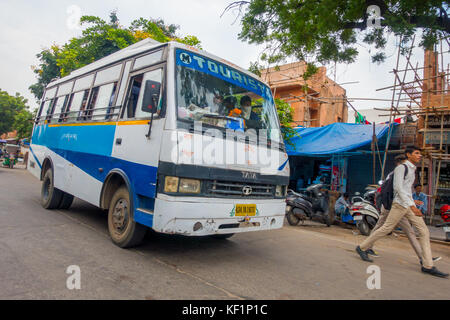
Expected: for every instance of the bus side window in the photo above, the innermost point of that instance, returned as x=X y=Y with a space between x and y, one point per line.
x=59 y=106
x=65 y=113
x=38 y=115
x=50 y=107
x=76 y=105
x=83 y=106
x=136 y=93
x=92 y=100
x=103 y=97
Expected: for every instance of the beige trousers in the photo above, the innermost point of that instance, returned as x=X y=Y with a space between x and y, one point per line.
x=405 y=226
x=395 y=215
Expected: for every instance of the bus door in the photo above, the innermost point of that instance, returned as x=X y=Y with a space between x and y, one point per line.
x=137 y=140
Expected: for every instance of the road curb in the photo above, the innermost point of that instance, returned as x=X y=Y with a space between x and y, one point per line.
x=434 y=240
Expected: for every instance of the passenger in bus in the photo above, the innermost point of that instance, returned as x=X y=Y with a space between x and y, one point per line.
x=251 y=118
x=218 y=103
x=230 y=109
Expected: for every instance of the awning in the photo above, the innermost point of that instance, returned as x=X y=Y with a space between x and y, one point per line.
x=333 y=138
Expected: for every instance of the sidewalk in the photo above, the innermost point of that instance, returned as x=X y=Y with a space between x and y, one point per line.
x=436 y=234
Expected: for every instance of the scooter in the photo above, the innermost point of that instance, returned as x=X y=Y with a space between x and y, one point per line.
x=364 y=212
x=9 y=161
x=445 y=215
x=313 y=205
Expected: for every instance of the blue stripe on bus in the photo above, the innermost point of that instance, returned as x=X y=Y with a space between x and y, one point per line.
x=89 y=148
x=143 y=177
x=96 y=139
x=35 y=158
x=283 y=165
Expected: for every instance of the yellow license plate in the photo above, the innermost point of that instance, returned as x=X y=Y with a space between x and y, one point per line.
x=243 y=210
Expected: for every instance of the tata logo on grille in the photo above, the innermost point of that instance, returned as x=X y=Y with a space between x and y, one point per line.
x=247 y=190
x=248 y=175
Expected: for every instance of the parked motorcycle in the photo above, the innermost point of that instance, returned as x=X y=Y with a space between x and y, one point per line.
x=364 y=212
x=313 y=204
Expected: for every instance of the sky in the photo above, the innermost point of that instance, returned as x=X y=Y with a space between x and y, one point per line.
x=29 y=26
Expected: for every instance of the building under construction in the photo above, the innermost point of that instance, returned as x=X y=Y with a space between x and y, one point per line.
x=316 y=102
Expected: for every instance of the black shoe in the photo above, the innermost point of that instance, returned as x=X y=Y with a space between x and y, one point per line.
x=372 y=252
x=435 y=272
x=363 y=254
x=434 y=260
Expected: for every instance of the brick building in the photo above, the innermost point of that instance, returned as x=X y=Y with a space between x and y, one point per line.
x=319 y=103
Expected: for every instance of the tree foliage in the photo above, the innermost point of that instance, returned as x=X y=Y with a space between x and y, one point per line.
x=23 y=123
x=14 y=111
x=285 y=115
x=100 y=38
x=330 y=30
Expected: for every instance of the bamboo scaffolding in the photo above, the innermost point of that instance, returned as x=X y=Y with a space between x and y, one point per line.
x=400 y=84
x=390 y=115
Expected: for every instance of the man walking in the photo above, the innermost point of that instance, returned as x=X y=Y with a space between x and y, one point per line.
x=403 y=206
x=403 y=224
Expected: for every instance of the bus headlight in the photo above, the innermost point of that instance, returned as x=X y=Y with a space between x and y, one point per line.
x=189 y=186
x=171 y=184
x=279 y=191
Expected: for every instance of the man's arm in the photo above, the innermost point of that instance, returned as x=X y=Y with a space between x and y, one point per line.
x=424 y=206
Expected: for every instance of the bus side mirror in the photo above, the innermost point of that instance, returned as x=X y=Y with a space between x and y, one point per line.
x=151 y=96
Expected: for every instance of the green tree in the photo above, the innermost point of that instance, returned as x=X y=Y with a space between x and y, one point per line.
x=99 y=38
x=285 y=115
x=23 y=123
x=330 y=30
x=10 y=107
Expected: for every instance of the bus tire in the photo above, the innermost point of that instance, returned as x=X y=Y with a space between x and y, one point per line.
x=124 y=231
x=66 y=201
x=50 y=196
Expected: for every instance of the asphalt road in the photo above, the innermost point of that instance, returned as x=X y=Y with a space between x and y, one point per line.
x=302 y=262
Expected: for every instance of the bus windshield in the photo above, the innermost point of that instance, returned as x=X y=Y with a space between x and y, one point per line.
x=220 y=96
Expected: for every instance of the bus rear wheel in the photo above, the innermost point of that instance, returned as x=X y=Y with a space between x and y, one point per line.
x=124 y=231
x=50 y=196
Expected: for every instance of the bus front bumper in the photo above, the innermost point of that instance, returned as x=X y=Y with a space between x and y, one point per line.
x=207 y=216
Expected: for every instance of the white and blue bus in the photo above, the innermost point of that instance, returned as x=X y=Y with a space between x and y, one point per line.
x=166 y=136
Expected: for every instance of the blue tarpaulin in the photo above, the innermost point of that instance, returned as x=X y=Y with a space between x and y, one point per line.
x=333 y=138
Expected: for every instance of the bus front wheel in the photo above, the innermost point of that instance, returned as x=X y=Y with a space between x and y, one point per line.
x=124 y=231
x=50 y=196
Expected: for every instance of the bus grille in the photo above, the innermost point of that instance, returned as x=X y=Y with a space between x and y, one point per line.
x=229 y=189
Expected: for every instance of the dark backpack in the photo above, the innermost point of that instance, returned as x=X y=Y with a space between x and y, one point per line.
x=386 y=194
